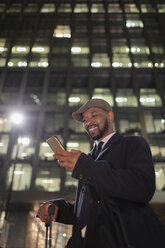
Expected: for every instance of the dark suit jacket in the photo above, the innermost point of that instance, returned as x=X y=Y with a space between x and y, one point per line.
x=123 y=173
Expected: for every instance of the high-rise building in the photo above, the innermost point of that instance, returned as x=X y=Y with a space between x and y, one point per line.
x=55 y=55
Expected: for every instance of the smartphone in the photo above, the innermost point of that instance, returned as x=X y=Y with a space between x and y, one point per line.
x=55 y=143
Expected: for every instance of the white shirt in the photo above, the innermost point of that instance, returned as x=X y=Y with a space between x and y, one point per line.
x=105 y=140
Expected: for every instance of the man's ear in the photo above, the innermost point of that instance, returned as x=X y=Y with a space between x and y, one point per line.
x=110 y=116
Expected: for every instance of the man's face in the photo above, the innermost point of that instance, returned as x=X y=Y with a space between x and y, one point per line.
x=98 y=123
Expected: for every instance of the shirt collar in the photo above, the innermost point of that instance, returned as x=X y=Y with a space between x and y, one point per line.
x=105 y=140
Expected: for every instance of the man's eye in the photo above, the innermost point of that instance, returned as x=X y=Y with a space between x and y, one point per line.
x=94 y=115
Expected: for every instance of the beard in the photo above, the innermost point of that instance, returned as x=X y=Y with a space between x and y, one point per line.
x=101 y=131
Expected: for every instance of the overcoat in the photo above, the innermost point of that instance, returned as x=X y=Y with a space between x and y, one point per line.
x=123 y=174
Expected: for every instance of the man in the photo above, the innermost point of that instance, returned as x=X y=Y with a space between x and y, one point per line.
x=111 y=207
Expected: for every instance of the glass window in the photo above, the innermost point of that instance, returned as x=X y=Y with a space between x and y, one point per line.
x=154 y=122
x=65 y=8
x=31 y=7
x=75 y=127
x=70 y=182
x=81 y=8
x=11 y=87
x=147 y=8
x=158 y=150
x=80 y=61
x=78 y=96
x=121 y=60
x=97 y=8
x=104 y=93
x=100 y=60
x=2 y=7
x=14 y=8
x=161 y=8
x=22 y=176
x=149 y=98
x=133 y=22
x=129 y=123
x=48 y=8
x=141 y=61
x=4 y=140
x=138 y=46
x=54 y=123
x=114 y=8
x=62 y=31
x=129 y=8
x=5 y=123
x=48 y=179
x=160 y=176
x=83 y=145
x=158 y=47
x=126 y=98
x=45 y=152
x=34 y=88
x=3 y=51
x=56 y=90
x=24 y=149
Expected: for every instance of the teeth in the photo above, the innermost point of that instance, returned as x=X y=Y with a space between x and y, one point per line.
x=91 y=129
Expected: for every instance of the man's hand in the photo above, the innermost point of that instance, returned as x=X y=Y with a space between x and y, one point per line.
x=67 y=159
x=43 y=212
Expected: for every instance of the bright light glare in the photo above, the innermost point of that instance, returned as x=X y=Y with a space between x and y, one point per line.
x=74 y=99
x=16 y=118
x=24 y=140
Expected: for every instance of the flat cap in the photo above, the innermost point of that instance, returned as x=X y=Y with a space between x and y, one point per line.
x=92 y=103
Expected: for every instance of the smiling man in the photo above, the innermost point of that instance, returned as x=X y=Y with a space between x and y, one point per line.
x=116 y=182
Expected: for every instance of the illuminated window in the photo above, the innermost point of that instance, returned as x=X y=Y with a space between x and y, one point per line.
x=126 y=98
x=65 y=8
x=48 y=8
x=83 y=146
x=40 y=47
x=119 y=46
x=100 y=60
x=104 y=93
x=141 y=61
x=161 y=8
x=17 y=62
x=160 y=62
x=78 y=96
x=147 y=8
x=20 y=49
x=45 y=152
x=48 y=179
x=62 y=31
x=114 y=8
x=154 y=122
x=97 y=8
x=131 y=8
x=158 y=48
x=5 y=125
x=22 y=177
x=149 y=98
x=80 y=50
x=81 y=8
x=129 y=123
x=3 y=51
x=138 y=46
x=160 y=175
x=134 y=23
x=38 y=62
x=80 y=61
x=4 y=139
x=121 y=60
x=2 y=7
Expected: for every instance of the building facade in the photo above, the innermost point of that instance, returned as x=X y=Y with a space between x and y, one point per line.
x=55 y=55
